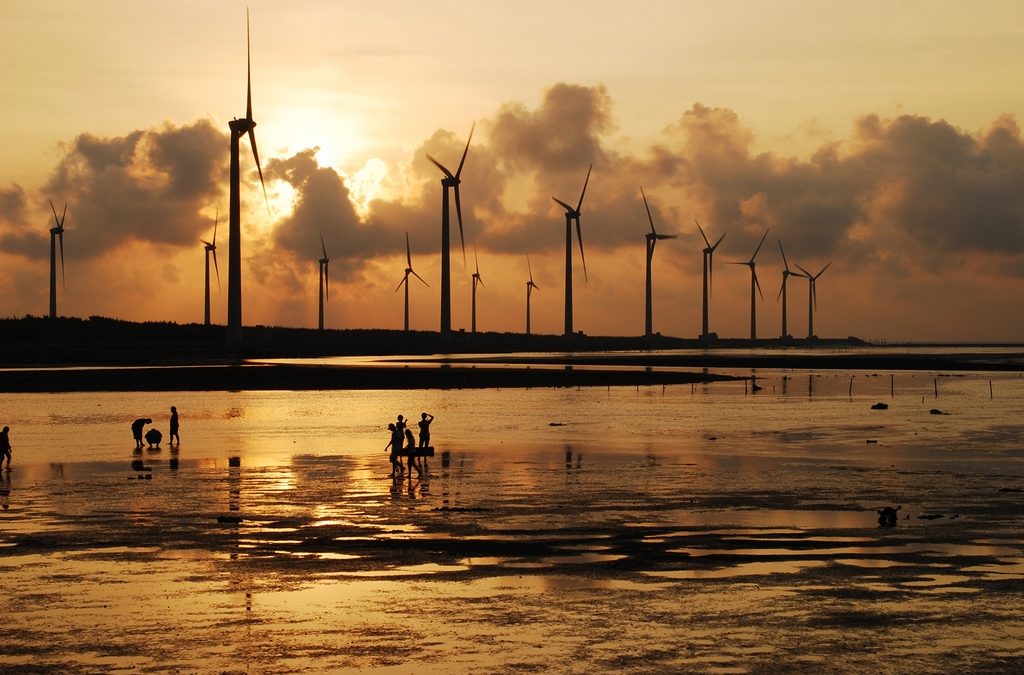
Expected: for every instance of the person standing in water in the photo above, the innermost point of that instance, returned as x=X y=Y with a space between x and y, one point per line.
x=173 y=435
x=410 y=447
x=137 y=430
x=424 y=423
x=5 y=447
x=395 y=444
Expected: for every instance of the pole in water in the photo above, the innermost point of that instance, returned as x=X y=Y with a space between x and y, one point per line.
x=936 y=380
x=990 y=388
x=892 y=385
x=851 y=386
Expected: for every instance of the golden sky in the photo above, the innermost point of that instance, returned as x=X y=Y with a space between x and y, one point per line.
x=880 y=136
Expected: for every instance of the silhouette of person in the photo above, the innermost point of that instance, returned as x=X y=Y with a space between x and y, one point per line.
x=153 y=437
x=410 y=447
x=395 y=444
x=173 y=435
x=424 y=423
x=5 y=447
x=137 y=429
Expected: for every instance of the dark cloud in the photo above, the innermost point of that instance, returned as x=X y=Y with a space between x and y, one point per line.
x=18 y=236
x=149 y=185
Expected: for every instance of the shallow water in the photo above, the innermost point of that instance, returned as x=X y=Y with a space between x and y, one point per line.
x=701 y=528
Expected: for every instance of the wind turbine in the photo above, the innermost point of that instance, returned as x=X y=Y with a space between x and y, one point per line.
x=239 y=128
x=754 y=285
x=210 y=247
x=325 y=287
x=709 y=252
x=572 y=214
x=786 y=274
x=450 y=181
x=529 y=291
x=812 y=297
x=405 y=280
x=56 y=233
x=477 y=279
x=652 y=241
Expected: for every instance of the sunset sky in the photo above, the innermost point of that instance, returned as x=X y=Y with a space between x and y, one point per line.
x=881 y=136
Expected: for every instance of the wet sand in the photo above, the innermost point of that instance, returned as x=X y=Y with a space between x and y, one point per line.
x=745 y=541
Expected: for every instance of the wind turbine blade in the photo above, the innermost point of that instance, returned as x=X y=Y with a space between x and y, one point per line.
x=579 y=238
x=441 y=166
x=706 y=242
x=216 y=221
x=758 y=249
x=476 y=259
x=322 y=246
x=822 y=270
x=563 y=205
x=408 y=251
x=784 y=263
x=781 y=288
x=649 y=218
x=63 y=214
x=248 y=70
x=256 y=156
x=480 y=279
x=718 y=242
x=580 y=205
x=404 y=280
x=420 y=278
x=458 y=211
x=530 y=268
x=458 y=172
x=806 y=273
x=757 y=284
x=215 y=268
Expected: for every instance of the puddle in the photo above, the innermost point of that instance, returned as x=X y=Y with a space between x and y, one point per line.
x=744 y=569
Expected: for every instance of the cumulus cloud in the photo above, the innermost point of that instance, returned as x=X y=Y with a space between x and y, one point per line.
x=149 y=185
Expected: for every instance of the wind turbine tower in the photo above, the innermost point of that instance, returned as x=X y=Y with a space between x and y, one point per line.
x=405 y=280
x=812 y=297
x=210 y=247
x=477 y=279
x=786 y=274
x=754 y=286
x=652 y=240
x=572 y=214
x=709 y=252
x=239 y=128
x=325 y=287
x=56 y=233
x=530 y=285
x=450 y=182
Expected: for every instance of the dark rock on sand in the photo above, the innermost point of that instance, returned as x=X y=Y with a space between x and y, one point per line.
x=887 y=516
x=880 y=406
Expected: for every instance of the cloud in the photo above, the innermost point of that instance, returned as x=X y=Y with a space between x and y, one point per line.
x=148 y=185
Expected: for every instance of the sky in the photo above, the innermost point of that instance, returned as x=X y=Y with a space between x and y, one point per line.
x=882 y=138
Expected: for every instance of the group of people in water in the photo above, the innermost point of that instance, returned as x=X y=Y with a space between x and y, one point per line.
x=154 y=436
x=403 y=444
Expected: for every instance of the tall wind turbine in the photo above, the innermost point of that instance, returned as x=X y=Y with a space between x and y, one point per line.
x=529 y=292
x=572 y=214
x=709 y=252
x=56 y=232
x=450 y=182
x=652 y=240
x=812 y=297
x=210 y=247
x=754 y=285
x=477 y=279
x=239 y=128
x=325 y=287
x=405 y=280
x=786 y=274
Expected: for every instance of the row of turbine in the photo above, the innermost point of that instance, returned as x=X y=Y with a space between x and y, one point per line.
x=450 y=183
